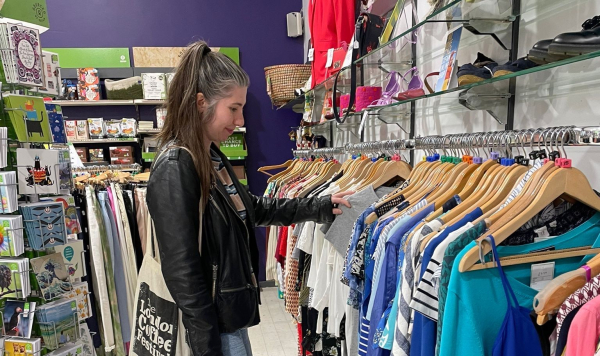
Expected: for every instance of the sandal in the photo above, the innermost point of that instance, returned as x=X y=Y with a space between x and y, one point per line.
x=391 y=89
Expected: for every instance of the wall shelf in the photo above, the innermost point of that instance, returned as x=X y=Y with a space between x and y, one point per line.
x=104 y=140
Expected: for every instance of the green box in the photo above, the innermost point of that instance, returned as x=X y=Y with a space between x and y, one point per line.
x=92 y=57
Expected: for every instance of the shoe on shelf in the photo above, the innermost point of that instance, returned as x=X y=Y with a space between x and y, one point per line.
x=540 y=53
x=576 y=43
x=391 y=89
x=477 y=71
x=516 y=66
x=415 y=86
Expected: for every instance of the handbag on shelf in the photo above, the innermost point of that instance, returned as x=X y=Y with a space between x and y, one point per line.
x=339 y=54
x=367 y=30
x=366 y=95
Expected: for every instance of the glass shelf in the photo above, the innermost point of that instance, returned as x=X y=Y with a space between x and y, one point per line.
x=399 y=105
x=454 y=11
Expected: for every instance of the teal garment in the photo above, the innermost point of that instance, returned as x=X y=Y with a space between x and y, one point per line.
x=476 y=304
x=453 y=249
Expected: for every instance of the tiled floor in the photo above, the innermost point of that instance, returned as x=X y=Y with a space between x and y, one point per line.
x=276 y=334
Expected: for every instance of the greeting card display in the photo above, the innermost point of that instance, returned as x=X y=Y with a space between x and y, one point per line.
x=38 y=170
x=57 y=126
x=3 y=147
x=81 y=294
x=14 y=278
x=22 y=347
x=11 y=235
x=69 y=349
x=44 y=224
x=72 y=257
x=23 y=62
x=18 y=318
x=52 y=275
x=28 y=118
x=52 y=78
x=71 y=217
x=58 y=322
x=8 y=192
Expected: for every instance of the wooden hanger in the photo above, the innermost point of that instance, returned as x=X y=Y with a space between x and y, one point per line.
x=284 y=172
x=389 y=171
x=549 y=299
x=264 y=169
x=569 y=181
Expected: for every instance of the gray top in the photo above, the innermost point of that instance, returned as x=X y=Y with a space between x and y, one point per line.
x=341 y=229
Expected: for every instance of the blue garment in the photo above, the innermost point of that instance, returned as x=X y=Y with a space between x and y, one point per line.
x=381 y=259
x=386 y=288
x=424 y=338
x=387 y=339
x=517 y=334
x=469 y=327
x=364 y=322
x=119 y=269
x=236 y=343
x=370 y=264
x=359 y=227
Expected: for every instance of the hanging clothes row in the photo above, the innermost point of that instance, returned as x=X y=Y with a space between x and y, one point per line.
x=446 y=258
x=111 y=208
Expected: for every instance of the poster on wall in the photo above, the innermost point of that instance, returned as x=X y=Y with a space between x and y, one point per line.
x=168 y=57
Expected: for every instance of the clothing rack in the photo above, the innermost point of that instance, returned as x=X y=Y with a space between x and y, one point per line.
x=551 y=138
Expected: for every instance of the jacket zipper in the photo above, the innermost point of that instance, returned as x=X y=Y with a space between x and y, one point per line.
x=214 y=284
x=238 y=289
x=247 y=235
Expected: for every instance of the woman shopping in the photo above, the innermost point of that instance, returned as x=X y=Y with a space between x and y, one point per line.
x=203 y=217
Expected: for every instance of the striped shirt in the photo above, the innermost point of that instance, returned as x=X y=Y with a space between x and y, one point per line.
x=227 y=182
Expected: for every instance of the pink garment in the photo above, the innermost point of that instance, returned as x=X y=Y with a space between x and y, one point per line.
x=585 y=330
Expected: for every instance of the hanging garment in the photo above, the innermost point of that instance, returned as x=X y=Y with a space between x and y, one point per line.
x=468 y=326
x=126 y=242
x=93 y=321
x=271 y=264
x=561 y=343
x=424 y=329
x=102 y=258
x=118 y=271
x=142 y=214
x=134 y=231
x=581 y=296
x=517 y=335
x=331 y=23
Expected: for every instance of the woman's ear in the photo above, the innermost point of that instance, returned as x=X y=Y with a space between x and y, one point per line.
x=200 y=102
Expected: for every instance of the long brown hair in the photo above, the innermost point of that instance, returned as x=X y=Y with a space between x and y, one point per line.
x=200 y=71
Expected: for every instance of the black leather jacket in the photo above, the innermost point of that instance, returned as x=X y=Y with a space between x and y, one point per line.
x=216 y=289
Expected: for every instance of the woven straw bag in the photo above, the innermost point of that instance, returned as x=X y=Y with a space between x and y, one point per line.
x=283 y=79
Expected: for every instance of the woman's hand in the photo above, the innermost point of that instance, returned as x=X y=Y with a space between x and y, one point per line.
x=338 y=199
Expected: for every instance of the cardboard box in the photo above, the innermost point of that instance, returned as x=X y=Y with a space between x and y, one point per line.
x=121 y=152
x=82 y=152
x=96 y=155
x=122 y=160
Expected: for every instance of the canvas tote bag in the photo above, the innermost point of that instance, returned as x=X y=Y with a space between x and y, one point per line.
x=157 y=327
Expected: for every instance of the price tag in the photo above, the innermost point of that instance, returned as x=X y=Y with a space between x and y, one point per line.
x=311 y=54
x=356 y=45
x=329 y=58
x=541 y=275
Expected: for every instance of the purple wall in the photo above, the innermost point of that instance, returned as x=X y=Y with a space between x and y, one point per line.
x=258 y=28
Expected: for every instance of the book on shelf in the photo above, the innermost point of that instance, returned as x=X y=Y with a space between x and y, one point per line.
x=44 y=224
x=22 y=347
x=14 y=277
x=52 y=275
x=18 y=318
x=58 y=322
x=28 y=118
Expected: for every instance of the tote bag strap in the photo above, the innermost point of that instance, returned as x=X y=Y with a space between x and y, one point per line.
x=151 y=241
